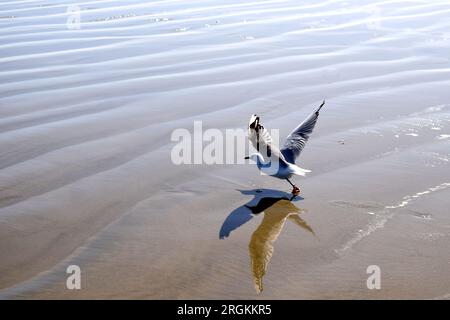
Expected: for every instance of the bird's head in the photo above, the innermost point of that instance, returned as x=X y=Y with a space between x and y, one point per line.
x=254 y=121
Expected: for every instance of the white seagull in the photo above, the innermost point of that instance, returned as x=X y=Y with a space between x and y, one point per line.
x=280 y=163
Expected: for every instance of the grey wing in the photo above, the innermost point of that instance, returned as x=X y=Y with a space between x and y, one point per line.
x=296 y=140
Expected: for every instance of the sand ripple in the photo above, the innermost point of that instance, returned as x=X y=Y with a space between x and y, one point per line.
x=86 y=116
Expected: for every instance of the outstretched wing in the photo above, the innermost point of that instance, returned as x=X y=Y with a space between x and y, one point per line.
x=296 y=140
x=302 y=223
x=261 y=139
x=235 y=219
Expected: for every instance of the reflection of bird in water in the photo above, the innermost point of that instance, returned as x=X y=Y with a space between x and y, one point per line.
x=261 y=246
x=280 y=163
x=277 y=206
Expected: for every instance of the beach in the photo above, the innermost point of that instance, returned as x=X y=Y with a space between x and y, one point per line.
x=91 y=92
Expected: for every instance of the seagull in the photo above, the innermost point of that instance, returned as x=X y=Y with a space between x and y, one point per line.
x=280 y=163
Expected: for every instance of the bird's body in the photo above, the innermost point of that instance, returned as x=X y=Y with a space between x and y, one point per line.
x=280 y=163
x=277 y=167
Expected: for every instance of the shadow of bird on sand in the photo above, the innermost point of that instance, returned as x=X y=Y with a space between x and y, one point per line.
x=278 y=207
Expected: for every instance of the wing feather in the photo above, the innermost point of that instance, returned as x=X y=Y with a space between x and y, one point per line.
x=296 y=140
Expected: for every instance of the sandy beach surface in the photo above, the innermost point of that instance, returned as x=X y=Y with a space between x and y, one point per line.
x=86 y=178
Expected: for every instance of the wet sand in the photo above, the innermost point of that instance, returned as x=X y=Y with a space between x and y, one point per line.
x=85 y=171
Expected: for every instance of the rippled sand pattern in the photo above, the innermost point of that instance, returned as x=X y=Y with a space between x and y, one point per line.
x=86 y=114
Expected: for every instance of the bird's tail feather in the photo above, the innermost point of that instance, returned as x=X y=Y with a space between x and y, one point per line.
x=300 y=171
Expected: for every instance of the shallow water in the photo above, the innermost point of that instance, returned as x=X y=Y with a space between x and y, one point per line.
x=86 y=117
